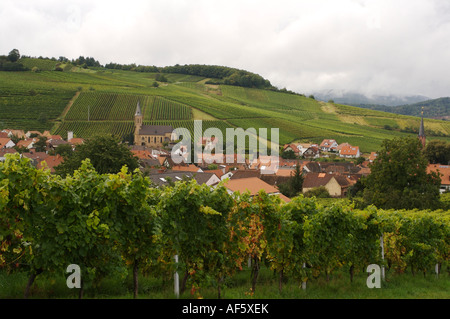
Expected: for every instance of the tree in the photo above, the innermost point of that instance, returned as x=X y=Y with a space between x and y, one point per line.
x=14 y=55
x=294 y=185
x=359 y=160
x=289 y=154
x=65 y=150
x=160 y=77
x=318 y=192
x=41 y=144
x=399 y=178
x=106 y=153
x=438 y=152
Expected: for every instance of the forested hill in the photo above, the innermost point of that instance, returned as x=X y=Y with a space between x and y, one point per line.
x=435 y=108
x=14 y=61
x=218 y=74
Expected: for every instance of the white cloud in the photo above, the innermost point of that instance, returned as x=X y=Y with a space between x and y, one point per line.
x=374 y=47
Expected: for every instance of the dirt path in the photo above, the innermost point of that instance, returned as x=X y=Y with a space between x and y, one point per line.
x=69 y=105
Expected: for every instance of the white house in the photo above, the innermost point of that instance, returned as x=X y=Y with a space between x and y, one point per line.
x=350 y=152
x=6 y=142
x=328 y=145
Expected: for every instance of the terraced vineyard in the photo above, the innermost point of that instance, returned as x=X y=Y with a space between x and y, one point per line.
x=108 y=99
x=27 y=103
x=87 y=129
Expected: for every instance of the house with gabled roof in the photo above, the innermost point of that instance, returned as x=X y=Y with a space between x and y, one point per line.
x=372 y=157
x=328 y=145
x=444 y=171
x=292 y=147
x=350 y=152
x=245 y=173
x=253 y=185
x=187 y=168
x=340 y=146
x=26 y=143
x=51 y=162
x=336 y=185
x=6 y=142
x=74 y=141
x=18 y=133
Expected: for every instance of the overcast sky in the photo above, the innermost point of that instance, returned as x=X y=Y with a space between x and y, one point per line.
x=368 y=46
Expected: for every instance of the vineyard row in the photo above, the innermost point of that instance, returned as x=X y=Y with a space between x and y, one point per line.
x=122 y=107
x=115 y=223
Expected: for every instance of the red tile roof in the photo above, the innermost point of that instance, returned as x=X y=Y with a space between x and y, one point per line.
x=349 y=150
x=444 y=170
x=251 y=184
x=52 y=162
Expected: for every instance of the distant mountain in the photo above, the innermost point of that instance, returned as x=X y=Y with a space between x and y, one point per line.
x=358 y=99
x=406 y=105
x=435 y=108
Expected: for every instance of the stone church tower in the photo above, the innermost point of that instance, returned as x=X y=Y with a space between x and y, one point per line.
x=151 y=135
x=138 y=118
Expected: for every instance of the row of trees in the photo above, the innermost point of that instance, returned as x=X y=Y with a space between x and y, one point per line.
x=11 y=62
x=219 y=74
x=227 y=75
x=115 y=224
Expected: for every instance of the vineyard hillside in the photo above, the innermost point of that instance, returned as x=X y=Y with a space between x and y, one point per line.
x=103 y=101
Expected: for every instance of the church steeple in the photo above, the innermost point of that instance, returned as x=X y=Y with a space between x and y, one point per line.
x=421 y=135
x=138 y=118
x=138 y=110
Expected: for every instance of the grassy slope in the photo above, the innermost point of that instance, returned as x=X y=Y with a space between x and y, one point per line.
x=298 y=118
x=397 y=286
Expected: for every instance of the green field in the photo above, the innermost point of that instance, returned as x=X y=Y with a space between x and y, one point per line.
x=396 y=286
x=107 y=99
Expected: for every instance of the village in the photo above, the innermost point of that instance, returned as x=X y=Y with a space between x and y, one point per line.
x=321 y=165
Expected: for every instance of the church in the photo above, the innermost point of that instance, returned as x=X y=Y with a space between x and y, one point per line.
x=151 y=135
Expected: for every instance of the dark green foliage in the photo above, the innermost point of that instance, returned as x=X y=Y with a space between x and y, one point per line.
x=41 y=144
x=7 y=65
x=318 y=192
x=294 y=185
x=438 y=152
x=229 y=76
x=160 y=77
x=65 y=150
x=289 y=154
x=112 y=224
x=399 y=177
x=14 y=55
x=106 y=153
x=87 y=62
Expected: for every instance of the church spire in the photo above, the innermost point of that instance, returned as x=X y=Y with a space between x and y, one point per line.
x=138 y=110
x=421 y=135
